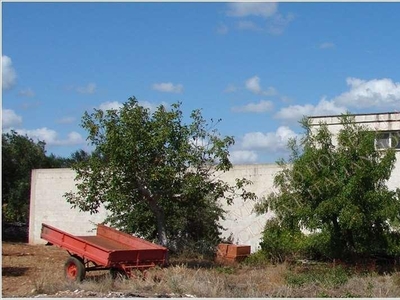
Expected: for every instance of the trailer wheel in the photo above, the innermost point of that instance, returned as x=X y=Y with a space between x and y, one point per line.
x=74 y=269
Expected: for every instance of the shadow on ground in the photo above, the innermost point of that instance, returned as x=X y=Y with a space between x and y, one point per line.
x=13 y=271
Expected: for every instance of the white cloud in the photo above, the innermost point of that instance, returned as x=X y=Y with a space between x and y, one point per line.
x=260 y=107
x=295 y=113
x=50 y=137
x=168 y=87
x=90 y=88
x=8 y=73
x=27 y=93
x=376 y=93
x=10 y=119
x=278 y=23
x=244 y=9
x=110 y=105
x=243 y=156
x=230 y=89
x=30 y=105
x=271 y=141
x=327 y=45
x=152 y=106
x=253 y=85
x=222 y=29
x=248 y=25
x=66 y=120
x=275 y=23
x=286 y=99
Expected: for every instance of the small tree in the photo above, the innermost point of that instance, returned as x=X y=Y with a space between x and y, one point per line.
x=337 y=191
x=156 y=175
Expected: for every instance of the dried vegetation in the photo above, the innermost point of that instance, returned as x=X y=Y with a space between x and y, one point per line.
x=37 y=271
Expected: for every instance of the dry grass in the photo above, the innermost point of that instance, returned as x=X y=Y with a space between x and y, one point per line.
x=32 y=270
x=239 y=281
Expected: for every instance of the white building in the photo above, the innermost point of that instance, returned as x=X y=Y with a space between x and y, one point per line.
x=49 y=185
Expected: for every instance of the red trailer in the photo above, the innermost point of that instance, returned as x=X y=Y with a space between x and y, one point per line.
x=109 y=249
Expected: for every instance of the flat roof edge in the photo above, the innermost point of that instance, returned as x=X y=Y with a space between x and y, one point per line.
x=361 y=114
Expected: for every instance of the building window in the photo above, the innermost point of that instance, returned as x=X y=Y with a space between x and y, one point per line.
x=387 y=139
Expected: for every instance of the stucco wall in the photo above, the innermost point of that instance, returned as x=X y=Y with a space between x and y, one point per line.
x=49 y=206
x=241 y=221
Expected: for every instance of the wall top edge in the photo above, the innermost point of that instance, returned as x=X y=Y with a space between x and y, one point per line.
x=51 y=170
x=392 y=118
x=235 y=166
x=360 y=114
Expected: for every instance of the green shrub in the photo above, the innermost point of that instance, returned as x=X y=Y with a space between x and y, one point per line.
x=258 y=258
x=279 y=243
x=393 y=243
x=325 y=276
x=318 y=246
x=225 y=270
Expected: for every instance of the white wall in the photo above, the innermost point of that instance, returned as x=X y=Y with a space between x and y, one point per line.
x=244 y=225
x=49 y=206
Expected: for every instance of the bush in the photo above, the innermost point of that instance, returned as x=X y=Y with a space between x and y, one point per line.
x=323 y=275
x=393 y=241
x=279 y=243
x=318 y=246
x=258 y=258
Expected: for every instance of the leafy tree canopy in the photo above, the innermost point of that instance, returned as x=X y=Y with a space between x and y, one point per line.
x=336 y=189
x=156 y=175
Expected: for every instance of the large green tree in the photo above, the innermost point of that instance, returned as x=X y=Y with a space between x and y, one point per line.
x=335 y=188
x=155 y=174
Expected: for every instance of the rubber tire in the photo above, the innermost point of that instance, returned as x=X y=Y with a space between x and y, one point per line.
x=74 y=269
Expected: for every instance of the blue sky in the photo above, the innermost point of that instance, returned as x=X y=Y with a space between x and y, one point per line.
x=258 y=66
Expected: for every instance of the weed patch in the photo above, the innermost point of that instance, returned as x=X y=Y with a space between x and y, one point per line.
x=324 y=276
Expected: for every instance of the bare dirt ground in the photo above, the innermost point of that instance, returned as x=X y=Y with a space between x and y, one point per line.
x=24 y=265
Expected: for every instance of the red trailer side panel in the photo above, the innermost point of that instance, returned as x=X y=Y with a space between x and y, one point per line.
x=127 y=239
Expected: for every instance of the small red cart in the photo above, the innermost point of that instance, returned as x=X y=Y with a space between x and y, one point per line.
x=109 y=249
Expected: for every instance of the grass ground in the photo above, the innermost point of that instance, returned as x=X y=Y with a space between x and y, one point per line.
x=28 y=271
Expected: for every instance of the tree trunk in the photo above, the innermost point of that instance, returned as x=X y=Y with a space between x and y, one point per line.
x=158 y=212
x=161 y=230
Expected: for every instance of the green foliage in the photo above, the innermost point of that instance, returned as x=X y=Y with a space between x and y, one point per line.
x=156 y=175
x=323 y=294
x=279 y=243
x=225 y=270
x=257 y=259
x=323 y=275
x=318 y=246
x=338 y=191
